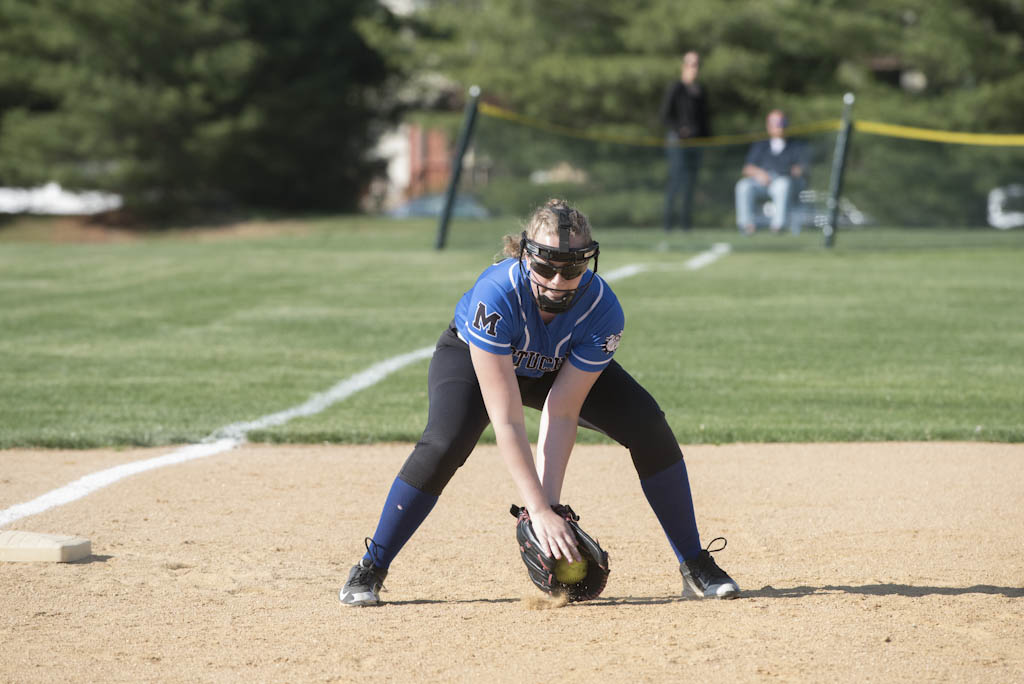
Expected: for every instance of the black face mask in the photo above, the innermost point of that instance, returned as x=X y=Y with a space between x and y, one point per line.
x=574 y=264
x=549 y=305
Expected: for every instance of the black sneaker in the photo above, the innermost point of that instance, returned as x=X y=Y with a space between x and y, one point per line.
x=365 y=580
x=702 y=578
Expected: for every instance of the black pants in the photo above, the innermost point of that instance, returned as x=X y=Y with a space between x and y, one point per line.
x=617 y=406
x=683 y=166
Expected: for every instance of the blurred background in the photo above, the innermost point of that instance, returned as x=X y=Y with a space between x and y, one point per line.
x=145 y=112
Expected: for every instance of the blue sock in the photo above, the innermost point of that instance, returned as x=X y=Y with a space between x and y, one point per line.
x=668 y=493
x=404 y=510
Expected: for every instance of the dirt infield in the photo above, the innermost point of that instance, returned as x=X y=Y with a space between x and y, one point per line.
x=859 y=562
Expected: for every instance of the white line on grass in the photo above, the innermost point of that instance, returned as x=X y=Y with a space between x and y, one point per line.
x=318 y=402
x=706 y=258
x=717 y=251
x=90 y=483
x=223 y=439
x=230 y=436
x=624 y=272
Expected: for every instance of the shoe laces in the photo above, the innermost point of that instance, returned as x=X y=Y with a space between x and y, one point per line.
x=706 y=565
x=368 y=574
x=372 y=550
x=364 y=576
x=725 y=542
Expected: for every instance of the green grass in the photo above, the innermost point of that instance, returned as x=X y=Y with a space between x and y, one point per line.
x=890 y=335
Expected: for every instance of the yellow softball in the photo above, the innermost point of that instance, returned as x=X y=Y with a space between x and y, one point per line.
x=570 y=573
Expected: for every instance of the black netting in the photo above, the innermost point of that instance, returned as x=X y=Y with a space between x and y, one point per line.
x=514 y=167
x=901 y=182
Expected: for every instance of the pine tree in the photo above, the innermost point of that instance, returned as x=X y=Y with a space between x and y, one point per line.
x=193 y=103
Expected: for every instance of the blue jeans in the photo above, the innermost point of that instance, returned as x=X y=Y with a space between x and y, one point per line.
x=780 y=191
x=683 y=165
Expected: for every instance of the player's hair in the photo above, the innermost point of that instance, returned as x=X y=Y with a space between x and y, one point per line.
x=545 y=220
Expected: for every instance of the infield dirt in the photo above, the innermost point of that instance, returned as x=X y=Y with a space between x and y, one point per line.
x=859 y=562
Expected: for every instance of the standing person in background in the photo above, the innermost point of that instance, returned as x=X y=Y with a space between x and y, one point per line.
x=774 y=169
x=685 y=113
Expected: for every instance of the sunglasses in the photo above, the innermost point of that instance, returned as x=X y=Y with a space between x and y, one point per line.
x=569 y=271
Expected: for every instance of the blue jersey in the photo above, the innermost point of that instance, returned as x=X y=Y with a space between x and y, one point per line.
x=500 y=315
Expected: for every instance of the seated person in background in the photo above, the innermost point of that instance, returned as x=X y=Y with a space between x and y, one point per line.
x=774 y=169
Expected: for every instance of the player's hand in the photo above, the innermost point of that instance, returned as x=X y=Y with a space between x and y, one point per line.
x=541 y=566
x=555 y=535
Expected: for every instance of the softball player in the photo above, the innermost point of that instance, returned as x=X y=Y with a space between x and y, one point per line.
x=538 y=329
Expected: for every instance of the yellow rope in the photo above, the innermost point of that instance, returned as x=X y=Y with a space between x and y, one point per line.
x=932 y=135
x=872 y=127
x=647 y=141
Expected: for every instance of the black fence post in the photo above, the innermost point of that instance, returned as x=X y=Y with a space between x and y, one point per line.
x=838 y=166
x=468 y=120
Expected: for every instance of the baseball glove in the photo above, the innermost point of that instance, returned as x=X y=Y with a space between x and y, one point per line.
x=542 y=567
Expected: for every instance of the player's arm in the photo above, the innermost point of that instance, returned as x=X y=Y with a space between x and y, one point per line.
x=505 y=409
x=558 y=426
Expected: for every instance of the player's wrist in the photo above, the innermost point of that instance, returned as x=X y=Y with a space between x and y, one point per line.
x=536 y=503
x=543 y=510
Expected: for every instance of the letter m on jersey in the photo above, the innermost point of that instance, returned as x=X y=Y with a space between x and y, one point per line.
x=486 y=322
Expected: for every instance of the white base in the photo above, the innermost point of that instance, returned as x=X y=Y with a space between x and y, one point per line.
x=35 y=546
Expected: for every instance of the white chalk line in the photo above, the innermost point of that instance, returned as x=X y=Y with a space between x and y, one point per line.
x=624 y=272
x=706 y=258
x=230 y=436
x=717 y=251
x=223 y=439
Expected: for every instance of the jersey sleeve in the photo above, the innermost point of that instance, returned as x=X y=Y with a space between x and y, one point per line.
x=593 y=350
x=488 y=321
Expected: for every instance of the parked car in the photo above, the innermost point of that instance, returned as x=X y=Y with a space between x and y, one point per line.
x=466 y=206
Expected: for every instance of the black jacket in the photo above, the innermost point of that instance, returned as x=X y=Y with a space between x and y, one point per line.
x=686 y=113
